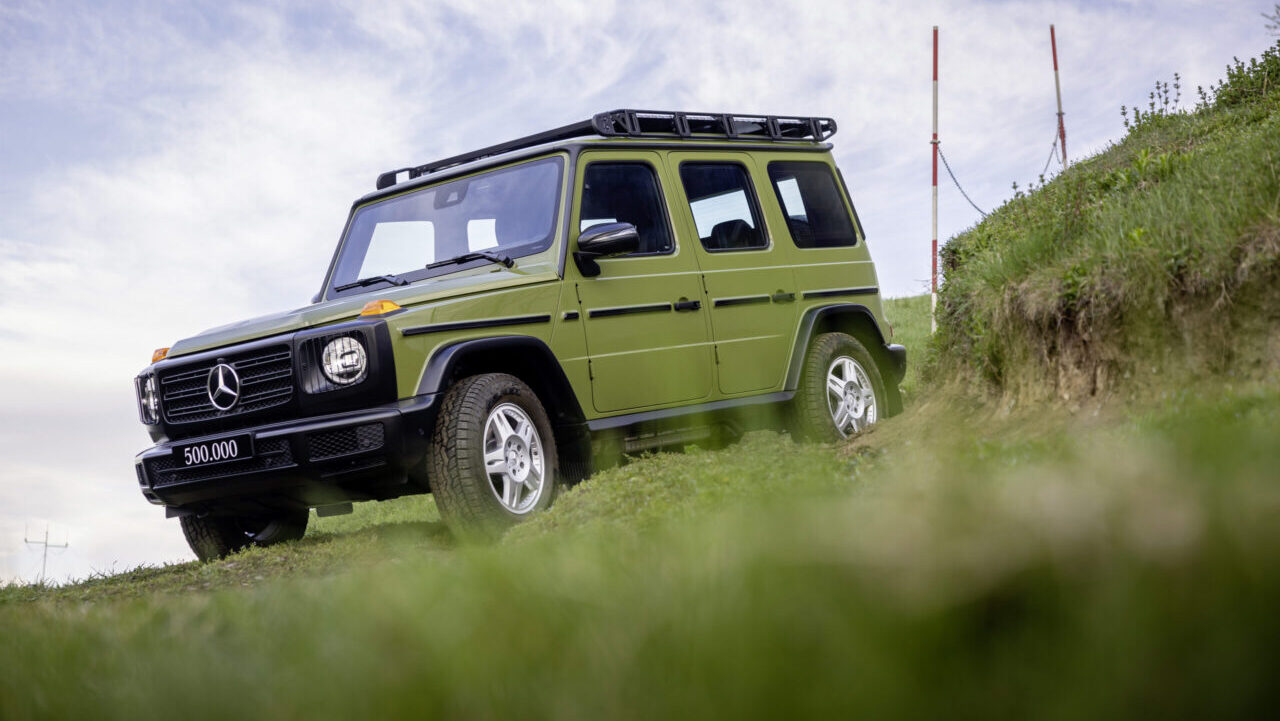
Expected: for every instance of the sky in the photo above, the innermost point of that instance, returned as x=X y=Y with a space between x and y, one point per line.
x=170 y=167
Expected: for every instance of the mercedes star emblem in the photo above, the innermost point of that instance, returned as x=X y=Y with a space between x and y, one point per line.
x=223 y=387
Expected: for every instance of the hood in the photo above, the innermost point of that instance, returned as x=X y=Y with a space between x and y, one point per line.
x=348 y=307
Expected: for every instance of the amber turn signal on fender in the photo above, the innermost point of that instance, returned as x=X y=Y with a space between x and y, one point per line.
x=159 y=354
x=378 y=307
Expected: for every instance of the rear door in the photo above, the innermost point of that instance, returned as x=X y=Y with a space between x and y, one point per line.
x=750 y=287
x=648 y=340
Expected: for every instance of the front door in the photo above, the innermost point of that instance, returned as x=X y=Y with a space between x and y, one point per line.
x=648 y=340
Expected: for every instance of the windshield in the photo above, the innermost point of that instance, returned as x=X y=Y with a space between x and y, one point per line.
x=511 y=211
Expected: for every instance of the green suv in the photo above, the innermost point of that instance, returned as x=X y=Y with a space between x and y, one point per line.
x=496 y=325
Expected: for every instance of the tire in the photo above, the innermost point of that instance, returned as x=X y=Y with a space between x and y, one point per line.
x=840 y=357
x=487 y=476
x=215 y=537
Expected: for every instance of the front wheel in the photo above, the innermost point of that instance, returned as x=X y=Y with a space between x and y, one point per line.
x=213 y=537
x=841 y=391
x=492 y=460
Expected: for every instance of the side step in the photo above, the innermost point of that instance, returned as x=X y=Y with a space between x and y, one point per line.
x=665 y=438
x=337 y=509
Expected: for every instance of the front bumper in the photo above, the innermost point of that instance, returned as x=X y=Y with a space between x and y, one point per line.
x=360 y=455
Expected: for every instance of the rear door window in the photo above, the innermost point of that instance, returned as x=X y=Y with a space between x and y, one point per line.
x=811 y=201
x=724 y=207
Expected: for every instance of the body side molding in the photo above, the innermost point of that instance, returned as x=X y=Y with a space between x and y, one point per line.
x=473 y=324
x=628 y=310
x=841 y=292
x=741 y=300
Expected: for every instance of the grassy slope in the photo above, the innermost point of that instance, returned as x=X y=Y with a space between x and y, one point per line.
x=910 y=320
x=1160 y=255
x=962 y=560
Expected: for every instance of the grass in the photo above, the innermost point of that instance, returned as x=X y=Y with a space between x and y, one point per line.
x=910 y=320
x=1022 y=565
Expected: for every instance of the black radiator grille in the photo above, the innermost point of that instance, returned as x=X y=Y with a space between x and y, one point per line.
x=266 y=381
x=268 y=454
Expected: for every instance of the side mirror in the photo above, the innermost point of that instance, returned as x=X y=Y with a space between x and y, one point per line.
x=602 y=241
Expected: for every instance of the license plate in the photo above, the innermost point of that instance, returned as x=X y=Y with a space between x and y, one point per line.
x=208 y=453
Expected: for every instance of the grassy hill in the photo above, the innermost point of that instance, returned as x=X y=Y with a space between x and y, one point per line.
x=996 y=551
x=1160 y=255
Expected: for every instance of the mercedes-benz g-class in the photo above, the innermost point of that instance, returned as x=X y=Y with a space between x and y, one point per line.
x=495 y=325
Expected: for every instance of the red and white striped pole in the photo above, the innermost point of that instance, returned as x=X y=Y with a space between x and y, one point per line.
x=933 y=294
x=1057 y=86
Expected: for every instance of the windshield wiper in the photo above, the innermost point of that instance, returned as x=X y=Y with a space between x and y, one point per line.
x=393 y=280
x=504 y=260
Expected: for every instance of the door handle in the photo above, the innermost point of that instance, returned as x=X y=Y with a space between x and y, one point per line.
x=783 y=297
x=686 y=304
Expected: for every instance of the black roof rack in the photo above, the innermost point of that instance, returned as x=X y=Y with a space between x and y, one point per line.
x=648 y=124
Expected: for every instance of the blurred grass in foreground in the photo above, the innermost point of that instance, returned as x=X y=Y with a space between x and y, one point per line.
x=1046 y=566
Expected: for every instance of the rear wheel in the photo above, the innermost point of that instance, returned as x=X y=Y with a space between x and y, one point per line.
x=213 y=537
x=493 y=458
x=841 y=391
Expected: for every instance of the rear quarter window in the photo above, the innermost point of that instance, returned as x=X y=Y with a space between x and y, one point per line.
x=811 y=202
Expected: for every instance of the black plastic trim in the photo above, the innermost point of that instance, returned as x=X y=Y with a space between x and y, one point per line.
x=378 y=387
x=840 y=292
x=474 y=324
x=629 y=419
x=407 y=425
x=805 y=332
x=570 y=315
x=744 y=300
x=551 y=383
x=628 y=310
x=687 y=305
x=897 y=355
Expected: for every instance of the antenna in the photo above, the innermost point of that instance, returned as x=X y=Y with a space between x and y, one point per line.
x=44 y=554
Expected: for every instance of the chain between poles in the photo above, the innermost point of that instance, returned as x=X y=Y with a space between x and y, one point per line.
x=947 y=165
x=1052 y=154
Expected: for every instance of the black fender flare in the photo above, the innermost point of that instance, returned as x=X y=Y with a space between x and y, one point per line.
x=891 y=358
x=524 y=356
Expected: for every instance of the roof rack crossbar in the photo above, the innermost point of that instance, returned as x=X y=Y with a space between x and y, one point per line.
x=671 y=125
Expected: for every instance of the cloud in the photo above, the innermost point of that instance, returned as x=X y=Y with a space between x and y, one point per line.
x=228 y=141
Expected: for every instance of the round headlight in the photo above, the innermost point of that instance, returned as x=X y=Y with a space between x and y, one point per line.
x=344 y=361
x=149 y=397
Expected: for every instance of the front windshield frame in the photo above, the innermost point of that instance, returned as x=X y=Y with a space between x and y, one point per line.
x=336 y=278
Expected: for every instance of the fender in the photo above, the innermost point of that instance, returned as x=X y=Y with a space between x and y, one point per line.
x=524 y=356
x=891 y=358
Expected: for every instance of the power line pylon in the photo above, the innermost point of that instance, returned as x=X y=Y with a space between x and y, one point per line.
x=45 y=546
